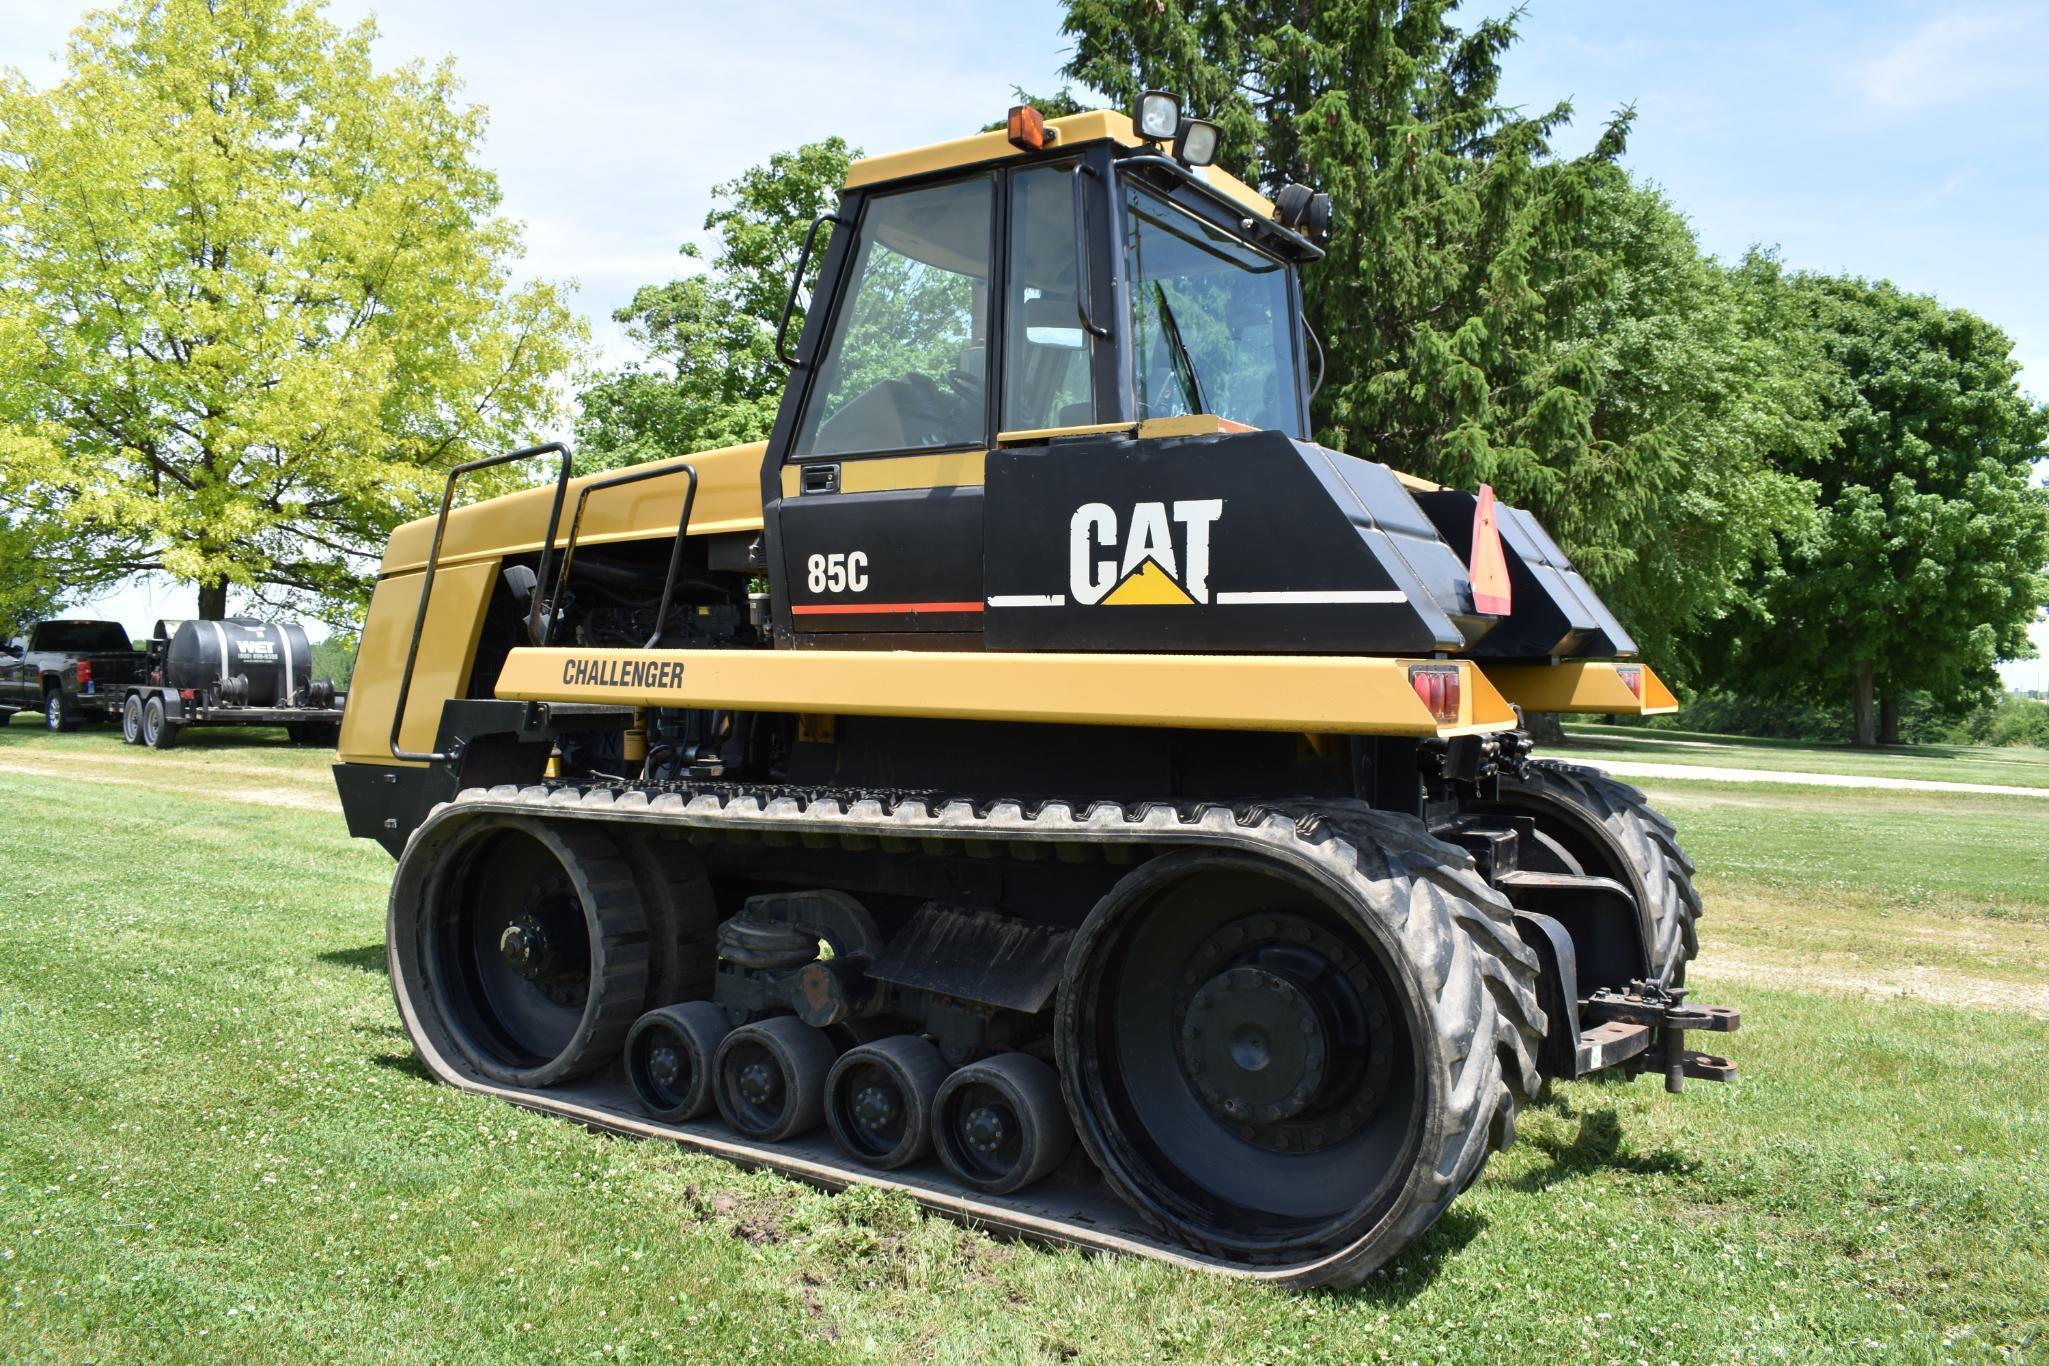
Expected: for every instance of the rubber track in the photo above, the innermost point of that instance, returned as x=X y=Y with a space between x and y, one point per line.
x=1650 y=842
x=1477 y=979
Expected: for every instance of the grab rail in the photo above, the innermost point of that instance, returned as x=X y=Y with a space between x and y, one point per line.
x=675 y=553
x=405 y=682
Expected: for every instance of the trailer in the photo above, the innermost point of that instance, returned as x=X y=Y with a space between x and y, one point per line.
x=238 y=672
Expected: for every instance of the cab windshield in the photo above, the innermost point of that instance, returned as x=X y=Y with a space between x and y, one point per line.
x=1213 y=320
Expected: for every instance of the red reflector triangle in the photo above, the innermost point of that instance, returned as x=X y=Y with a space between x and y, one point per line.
x=1488 y=568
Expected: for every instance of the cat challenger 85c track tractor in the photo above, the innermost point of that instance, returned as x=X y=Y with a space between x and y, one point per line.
x=1038 y=777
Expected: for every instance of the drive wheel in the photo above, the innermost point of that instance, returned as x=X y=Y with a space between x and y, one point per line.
x=879 y=1100
x=158 y=730
x=1280 y=1064
x=519 y=946
x=1609 y=829
x=770 y=1078
x=131 y=720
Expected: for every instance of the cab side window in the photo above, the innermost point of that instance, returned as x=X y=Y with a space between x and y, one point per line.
x=907 y=364
x=1048 y=375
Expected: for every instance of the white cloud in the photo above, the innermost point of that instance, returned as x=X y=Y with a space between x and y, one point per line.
x=1965 y=55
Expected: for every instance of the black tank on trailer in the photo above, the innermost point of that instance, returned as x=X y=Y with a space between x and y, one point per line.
x=238 y=672
x=246 y=663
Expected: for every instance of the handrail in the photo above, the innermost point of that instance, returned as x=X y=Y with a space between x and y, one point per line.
x=1322 y=361
x=405 y=682
x=675 y=554
x=1083 y=286
x=796 y=281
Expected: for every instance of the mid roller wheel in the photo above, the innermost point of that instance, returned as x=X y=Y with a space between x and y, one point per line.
x=879 y=1100
x=1000 y=1124
x=669 y=1059
x=769 y=1078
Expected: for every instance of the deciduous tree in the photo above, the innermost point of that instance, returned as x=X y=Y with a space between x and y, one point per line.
x=709 y=375
x=1925 y=566
x=1490 y=310
x=254 y=298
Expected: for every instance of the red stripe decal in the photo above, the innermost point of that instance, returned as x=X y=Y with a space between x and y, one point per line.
x=847 y=609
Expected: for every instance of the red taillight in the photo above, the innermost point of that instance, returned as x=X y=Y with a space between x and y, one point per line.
x=1632 y=678
x=1438 y=686
x=188 y=694
x=85 y=671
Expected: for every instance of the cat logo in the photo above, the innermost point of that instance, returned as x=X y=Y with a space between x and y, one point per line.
x=1160 y=560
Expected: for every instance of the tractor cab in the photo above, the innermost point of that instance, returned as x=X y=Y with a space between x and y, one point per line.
x=1011 y=296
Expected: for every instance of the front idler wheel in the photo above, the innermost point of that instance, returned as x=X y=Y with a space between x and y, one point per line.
x=769 y=1078
x=519 y=947
x=879 y=1100
x=1000 y=1124
x=669 y=1059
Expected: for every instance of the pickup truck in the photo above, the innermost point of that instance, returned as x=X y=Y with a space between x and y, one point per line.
x=67 y=671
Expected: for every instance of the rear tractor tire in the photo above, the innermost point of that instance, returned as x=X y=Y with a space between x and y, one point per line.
x=518 y=949
x=1302 y=1064
x=1609 y=829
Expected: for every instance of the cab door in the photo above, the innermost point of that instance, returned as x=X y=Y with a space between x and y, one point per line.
x=879 y=525
x=879 y=518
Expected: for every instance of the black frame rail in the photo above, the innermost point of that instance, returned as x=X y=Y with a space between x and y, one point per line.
x=534 y=619
x=583 y=496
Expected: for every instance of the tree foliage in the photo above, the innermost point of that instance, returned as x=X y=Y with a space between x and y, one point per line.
x=710 y=376
x=1925 y=565
x=254 y=300
x=1492 y=311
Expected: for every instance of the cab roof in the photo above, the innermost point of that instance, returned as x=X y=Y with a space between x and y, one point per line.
x=1075 y=130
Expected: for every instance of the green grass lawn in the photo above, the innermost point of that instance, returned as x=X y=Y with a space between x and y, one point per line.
x=216 y=1143
x=2008 y=767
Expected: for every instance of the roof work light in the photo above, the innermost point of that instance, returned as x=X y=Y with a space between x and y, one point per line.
x=1196 y=141
x=1158 y=116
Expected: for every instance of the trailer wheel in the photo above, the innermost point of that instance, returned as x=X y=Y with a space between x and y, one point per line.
x=131 y=720
x=158 y=730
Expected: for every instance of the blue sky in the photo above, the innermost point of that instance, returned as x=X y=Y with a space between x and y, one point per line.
x=1892 y=138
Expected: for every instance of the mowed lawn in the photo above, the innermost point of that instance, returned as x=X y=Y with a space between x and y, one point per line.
x=214 y=1141
x=2017 y=766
